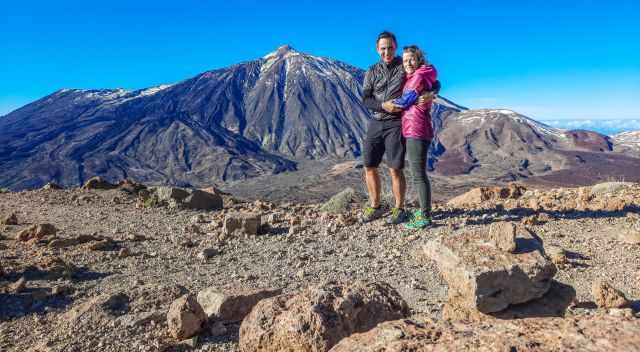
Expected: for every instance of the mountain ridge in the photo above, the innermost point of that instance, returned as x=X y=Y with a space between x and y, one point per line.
x=256 y=117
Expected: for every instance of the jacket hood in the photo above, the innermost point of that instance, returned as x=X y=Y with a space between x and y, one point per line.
x=427 y=71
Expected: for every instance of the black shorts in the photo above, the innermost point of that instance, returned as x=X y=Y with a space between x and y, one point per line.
x=382 y=137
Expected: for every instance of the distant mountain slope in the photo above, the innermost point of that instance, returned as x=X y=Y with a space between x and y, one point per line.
x=505 y=143
x=627 y=142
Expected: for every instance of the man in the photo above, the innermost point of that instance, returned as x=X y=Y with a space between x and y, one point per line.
x=382 y=83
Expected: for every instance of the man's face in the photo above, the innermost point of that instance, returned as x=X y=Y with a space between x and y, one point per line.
x=387 y=49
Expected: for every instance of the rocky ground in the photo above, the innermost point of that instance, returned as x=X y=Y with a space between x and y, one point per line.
x=103 y=276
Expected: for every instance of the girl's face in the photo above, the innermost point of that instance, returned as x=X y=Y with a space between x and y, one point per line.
x=409 y=62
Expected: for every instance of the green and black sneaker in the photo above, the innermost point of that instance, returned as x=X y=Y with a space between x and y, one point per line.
x=398 y=216
x=419 y=221
x=370 y=213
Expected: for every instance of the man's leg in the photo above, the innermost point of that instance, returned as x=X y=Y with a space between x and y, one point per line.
x=399 y=186
x=372 y=178
x=373 y=150
x=395 y=149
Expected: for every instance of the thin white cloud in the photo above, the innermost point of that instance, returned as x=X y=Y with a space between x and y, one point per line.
x=605 y=126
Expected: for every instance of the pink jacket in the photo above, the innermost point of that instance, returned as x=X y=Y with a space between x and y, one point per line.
x=416 y=120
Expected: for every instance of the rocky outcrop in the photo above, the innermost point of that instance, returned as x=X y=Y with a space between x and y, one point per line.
x=594 y=333
x=481 y=195
x=180 y=197
x=482 y=277
x=316 y=318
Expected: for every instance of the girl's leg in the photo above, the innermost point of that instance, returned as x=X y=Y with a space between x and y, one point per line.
x=417 y=150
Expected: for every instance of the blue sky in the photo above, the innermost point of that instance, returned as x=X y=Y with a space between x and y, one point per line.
x=549 y=60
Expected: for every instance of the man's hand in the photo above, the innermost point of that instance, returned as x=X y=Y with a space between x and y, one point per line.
x=391 y=108
x=426 y=98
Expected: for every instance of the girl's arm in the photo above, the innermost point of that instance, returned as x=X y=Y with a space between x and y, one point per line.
x=407 y=99
x=412 y=89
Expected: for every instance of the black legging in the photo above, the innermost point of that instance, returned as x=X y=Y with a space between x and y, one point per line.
x=417 y=154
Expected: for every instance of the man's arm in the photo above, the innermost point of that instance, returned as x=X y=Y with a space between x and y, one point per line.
x=368 y=99
x=429 y=95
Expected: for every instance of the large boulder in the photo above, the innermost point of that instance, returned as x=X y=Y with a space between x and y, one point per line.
x=316 y=318
x=202 y=200
x=483 y=277
x=586 y=333
x=185 y=317
x=231 y=305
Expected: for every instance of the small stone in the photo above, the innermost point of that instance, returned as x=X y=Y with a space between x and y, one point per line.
x=62 y=290
x=51 y=186
x=300 y=274
x=295 y=229
x=556 y=254
x=11 y=219
x=621 y=312
x=165 y=194
x=606 y=296
x=339 y=202
x=36 y=232
x=135 y=237
x=192 y=228
x=272 y=218
x=191 y=343
x=98 y=182
x=218 y=329
x=503 y=236
x=18 y=286
x=139 y=319
x=185 y=317
x=208 y=253
x=247 y=223
x=103 y=245
x=198 y=219
x=124 y=252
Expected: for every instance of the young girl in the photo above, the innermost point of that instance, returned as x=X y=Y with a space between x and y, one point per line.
x=417 y=129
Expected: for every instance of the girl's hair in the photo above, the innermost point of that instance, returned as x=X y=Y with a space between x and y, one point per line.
x=420 y=55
